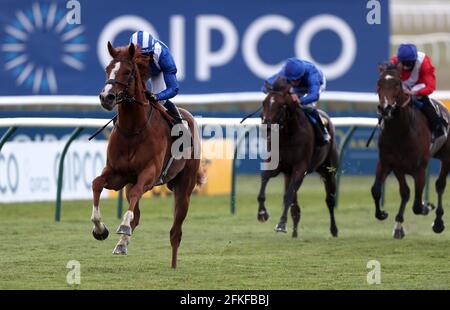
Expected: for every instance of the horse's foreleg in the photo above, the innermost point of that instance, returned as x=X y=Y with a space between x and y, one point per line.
x=296 y=180
x=295 y=208
x=263 y=215
x=122 y=244
x=100 y=231
x=419 y=206
x=381 y=175
x=398 y=232
x=134 y=194
x=438 y=224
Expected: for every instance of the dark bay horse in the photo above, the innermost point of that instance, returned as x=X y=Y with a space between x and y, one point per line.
x=404 y=148
x=139 y=148
x=298 y=155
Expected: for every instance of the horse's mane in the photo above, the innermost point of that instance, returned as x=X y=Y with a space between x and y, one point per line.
x=389 y=68
x=141 y=60
x=280 y=84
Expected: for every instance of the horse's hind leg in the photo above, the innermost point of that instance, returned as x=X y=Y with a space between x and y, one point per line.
x=398 y=232
x=380 y=177
x=329 y=179
x=419 y=182
x=184 y=185
x=295 y=208
x=100 y=231
x=438 y=224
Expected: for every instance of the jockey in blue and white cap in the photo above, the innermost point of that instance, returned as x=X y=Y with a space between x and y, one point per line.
x=308 y=82
x=164 y=83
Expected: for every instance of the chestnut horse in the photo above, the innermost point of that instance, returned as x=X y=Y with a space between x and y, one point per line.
x=139 y=148
x=298 y=155
x=404 y=148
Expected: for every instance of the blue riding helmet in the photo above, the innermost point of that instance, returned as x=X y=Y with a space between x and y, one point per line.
x=407 y=52
x=144 y=40
x=294 y=69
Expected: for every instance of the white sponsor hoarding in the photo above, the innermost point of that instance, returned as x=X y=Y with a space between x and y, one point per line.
x=29 y=170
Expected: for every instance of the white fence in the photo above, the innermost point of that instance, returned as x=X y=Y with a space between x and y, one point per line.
x=219 y=98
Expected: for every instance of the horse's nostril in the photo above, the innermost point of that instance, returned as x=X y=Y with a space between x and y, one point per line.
x=110 y=97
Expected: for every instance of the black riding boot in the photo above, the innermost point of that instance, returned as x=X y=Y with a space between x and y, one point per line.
x=323 y=135
x=434 y=120
x=173 y=111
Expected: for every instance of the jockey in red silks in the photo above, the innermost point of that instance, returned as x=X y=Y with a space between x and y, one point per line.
x=417 y=73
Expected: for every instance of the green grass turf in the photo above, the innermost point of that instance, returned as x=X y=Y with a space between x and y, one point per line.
x=220 y=251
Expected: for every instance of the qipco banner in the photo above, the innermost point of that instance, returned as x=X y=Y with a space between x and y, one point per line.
x=59 y=47
x=29 y=170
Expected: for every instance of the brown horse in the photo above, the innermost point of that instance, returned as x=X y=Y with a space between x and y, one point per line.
x=404 y=148
x=139 y=148
x=298 y=155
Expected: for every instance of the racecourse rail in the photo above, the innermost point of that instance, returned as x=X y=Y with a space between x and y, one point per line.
x=79 y=124
x=82 y=123
x=217 y=98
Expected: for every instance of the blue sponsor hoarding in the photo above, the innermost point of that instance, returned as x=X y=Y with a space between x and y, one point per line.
x=219 y=46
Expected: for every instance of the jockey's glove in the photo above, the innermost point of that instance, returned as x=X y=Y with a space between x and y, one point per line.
x=152 y=97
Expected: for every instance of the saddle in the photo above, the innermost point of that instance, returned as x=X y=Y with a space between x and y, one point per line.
x=440 y=111
x=313 y=121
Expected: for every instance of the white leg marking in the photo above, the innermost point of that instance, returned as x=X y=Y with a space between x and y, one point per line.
x=96 y=219
x=127 y=218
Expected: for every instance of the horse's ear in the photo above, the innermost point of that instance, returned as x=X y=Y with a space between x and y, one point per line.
x=287 y=89
x=381 y=68
x=112 y=51
x=267 y=86
x=131 y=50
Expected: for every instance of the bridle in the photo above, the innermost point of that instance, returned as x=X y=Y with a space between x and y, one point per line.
x=386 y=109
x=287 y=116
x=124 y=96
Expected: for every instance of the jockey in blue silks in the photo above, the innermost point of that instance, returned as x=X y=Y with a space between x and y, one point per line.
x=164 y=83
x=307 y=83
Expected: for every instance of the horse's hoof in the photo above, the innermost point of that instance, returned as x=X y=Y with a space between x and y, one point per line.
x=102 y=236
x=294 y=234
x=438 y=226
x=263 y=216
x=334 y=231
x=281 y=227
x=382 y=215
x=398 y=233
x=124 y=230
x=427 y=208
x=120 y=249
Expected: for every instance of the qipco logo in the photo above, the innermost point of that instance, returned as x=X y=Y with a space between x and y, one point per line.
x=208 y=57
x=9 y=174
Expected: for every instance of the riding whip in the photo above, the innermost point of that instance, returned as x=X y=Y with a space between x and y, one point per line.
x=373 y=133
x=250 y=115
x=101 y=129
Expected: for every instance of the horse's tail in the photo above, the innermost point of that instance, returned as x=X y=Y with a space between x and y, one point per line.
x=201 y=175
